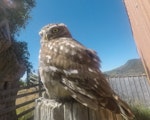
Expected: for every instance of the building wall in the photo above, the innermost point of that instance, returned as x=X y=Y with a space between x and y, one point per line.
x=139 y=16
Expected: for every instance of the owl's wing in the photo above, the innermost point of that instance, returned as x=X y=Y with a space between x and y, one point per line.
x=80 y=73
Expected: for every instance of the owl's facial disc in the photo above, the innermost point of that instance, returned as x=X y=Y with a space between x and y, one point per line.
x=53 y=31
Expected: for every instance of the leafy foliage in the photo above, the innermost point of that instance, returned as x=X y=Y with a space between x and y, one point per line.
x=22 y=83
x=19 y=15
x=141 y=112
x=22 y=54
x=16 y=13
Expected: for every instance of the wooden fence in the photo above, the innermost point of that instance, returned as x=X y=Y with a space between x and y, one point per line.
x=25 y=101
x=132 y=89
x=28 y=95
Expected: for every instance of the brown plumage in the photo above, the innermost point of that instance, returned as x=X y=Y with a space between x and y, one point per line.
x=68 y=69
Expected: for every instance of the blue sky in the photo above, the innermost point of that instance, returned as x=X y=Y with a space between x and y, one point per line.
x=101 y=25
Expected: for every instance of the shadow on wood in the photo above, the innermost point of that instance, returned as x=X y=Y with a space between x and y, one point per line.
x=47 y=109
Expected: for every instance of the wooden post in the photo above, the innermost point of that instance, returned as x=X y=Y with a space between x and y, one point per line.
x=11 y=70
x=46 y=109
x=39 y=82
x=139 y=15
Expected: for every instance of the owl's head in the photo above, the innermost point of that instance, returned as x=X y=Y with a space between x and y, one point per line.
x=53 y=31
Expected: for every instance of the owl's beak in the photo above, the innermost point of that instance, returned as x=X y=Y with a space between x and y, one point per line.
x=4 y=30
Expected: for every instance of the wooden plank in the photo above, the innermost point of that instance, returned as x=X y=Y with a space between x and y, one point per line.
x=25 y=112
x=146 y=83
x=46 y=109
x=30 y=86
x=133 y=89
x=92 y=115
x=139 y=16
x=39 y=80
x=80 y=112
x=30 y=118
x=120 y=87
x=67 y=114
x=30 y=93
x=125 y=92
x=25 y=103
x=130 y=89
x=5 y=111
x=144 y=90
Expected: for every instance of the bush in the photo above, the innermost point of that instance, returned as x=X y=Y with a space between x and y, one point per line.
x=141 y=112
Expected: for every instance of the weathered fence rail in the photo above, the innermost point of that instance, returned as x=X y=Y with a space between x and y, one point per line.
x=23 y=95
x=132 y=89
x=38 y=89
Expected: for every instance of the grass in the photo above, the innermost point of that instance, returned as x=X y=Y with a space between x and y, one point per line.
x=141 y=112
x=26 y=116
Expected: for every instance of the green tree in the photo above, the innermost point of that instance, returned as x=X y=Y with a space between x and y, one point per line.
x=16 y=13
x=22 y=83
x=22 y=54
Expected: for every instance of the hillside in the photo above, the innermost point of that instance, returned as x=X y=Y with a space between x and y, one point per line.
x=131 y=67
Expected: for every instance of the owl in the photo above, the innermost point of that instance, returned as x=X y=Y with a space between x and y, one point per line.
x=70 y=70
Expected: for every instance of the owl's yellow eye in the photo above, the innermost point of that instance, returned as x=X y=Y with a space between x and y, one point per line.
x=55 y=30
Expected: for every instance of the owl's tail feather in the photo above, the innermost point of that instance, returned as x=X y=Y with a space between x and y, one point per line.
x=120 y=107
